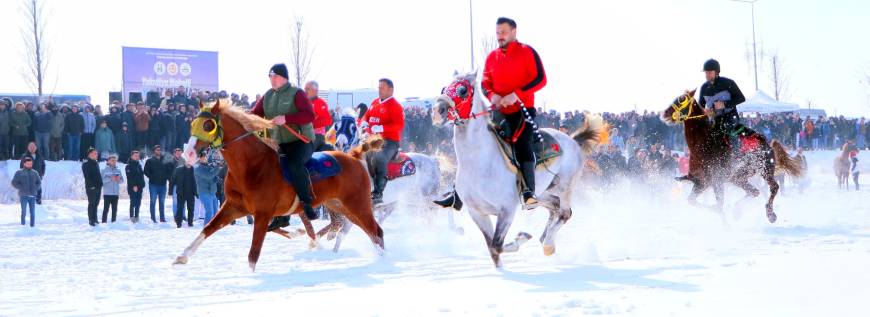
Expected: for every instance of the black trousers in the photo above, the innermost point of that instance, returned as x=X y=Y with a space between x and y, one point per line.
x=293 y=157
x=524 y=146
x=182 y=202
x=135 y=202
x=320 y=144
x=110 y=200
x=93 y=201
x=379 y=163
x=20 y=144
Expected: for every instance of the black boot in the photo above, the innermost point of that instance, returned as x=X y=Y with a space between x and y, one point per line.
x=529 y=200
x=309 y=211
x=452 y=200
x=279 y=222
x=378 y=191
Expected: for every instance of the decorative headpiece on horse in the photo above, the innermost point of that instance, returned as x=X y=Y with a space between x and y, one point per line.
x=683 y=108
x=460 y=93
x=206 y=126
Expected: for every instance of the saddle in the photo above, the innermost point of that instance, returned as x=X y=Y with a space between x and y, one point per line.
x=402 y=165
x=320 y=167
x=545 y=150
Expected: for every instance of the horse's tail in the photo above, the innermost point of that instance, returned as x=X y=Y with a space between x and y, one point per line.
x=790 y=165
x=590 y=134
x=373 y=143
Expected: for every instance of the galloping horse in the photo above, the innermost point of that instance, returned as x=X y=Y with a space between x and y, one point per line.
x=710 y=164
x=254 y=184
x=486 y=183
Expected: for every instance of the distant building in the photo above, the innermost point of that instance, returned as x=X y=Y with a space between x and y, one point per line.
x=336 y=98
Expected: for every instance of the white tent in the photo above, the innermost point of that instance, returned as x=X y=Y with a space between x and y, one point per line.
x=762 y=103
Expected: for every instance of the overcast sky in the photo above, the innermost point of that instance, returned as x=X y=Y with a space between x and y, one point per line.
x=599 y=55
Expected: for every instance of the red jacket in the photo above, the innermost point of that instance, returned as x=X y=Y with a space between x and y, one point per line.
x=322 y=118
x=389 y=114
x=516 y=69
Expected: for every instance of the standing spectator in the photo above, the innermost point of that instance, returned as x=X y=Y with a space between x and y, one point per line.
x=155 y=127
x=21 y=125
x=182 y=125
x=206 y=186
x=142 y=119
x=128 y=117
x=28 y=183
x=114 y=120
x=124 y=142
x=856 y=171
x=90 y=127
x=42 y=129
x=176 y=161
x=135 y=184
x=104 y=141
x=112 y=179
x=167 y=141
x=5 y=129
x=183 y=184
x=93 y=185
x=74 y=125
x=157 y=174
x=56 y=134
x=38 y=165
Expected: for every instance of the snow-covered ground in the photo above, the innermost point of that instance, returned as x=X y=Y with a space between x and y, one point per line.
x=623 y=253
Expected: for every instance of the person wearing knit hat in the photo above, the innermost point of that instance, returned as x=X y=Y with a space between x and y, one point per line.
x=291 y=111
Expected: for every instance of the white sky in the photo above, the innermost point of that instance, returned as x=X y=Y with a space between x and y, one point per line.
x=599 y=55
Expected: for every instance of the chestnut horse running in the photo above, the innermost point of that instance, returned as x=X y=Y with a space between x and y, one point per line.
x=710 y=164
x=254 y=184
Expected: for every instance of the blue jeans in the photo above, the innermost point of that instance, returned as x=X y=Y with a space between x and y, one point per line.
x=73 y=147
x=42 y=141
x=210 y=204
x=175 y=200
x=28 y=201
x=158 y=192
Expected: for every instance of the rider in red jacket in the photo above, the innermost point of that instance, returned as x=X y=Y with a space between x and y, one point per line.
x=511 y=76
x=385 y=117
x=322 y=117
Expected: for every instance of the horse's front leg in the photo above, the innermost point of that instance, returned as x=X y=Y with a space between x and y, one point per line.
x=502 y=225
x=227 y=213
x=261 y=225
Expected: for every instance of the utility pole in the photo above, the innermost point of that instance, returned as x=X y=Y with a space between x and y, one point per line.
x=471 y=33
x=754 y=54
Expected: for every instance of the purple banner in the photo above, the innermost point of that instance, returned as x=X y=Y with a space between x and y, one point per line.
x=154 y=69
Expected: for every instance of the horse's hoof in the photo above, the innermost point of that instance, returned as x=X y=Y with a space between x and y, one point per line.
x=771 y=217
x=522 y=237
x=253 y=266
x=180 y=260
x=549 y=250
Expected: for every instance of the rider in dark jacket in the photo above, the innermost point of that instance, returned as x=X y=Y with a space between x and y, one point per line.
x=721 y=96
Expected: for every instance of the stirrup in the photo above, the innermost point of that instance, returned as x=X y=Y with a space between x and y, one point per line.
x=530 y=203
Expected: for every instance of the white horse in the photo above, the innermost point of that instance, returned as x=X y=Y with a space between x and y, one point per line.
x=486 y=184
x=416 y=190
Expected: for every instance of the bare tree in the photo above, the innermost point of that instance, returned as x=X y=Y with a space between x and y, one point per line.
x=300 y=50
x=36 y=53
x=488 y=43
x=778 y=77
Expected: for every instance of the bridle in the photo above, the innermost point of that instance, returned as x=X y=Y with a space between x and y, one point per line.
x=683 y=103
x=459 y=97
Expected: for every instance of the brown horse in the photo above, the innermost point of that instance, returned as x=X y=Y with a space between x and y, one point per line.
x=254 y=184
x=711 y=164
x=842 y=164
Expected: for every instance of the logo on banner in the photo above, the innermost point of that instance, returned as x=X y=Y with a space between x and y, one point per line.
x=172 y=68
x=159 y=68
x=185 y=69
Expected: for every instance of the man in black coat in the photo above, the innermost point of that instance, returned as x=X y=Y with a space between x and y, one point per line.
x=135 y=184
x=720 y=96
x=184 y=184
x=158 y=172
x=93 y=185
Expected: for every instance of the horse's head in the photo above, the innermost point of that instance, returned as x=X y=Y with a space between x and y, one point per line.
x=456 y=100
x=683 y=108
x=205 y=129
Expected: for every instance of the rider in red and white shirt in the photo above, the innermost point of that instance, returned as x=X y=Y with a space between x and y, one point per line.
x=386 y=118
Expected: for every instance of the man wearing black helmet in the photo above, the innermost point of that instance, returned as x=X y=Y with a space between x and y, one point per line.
x=720 y=96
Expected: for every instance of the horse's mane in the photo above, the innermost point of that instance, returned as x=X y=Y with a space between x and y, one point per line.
x=251 y=123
